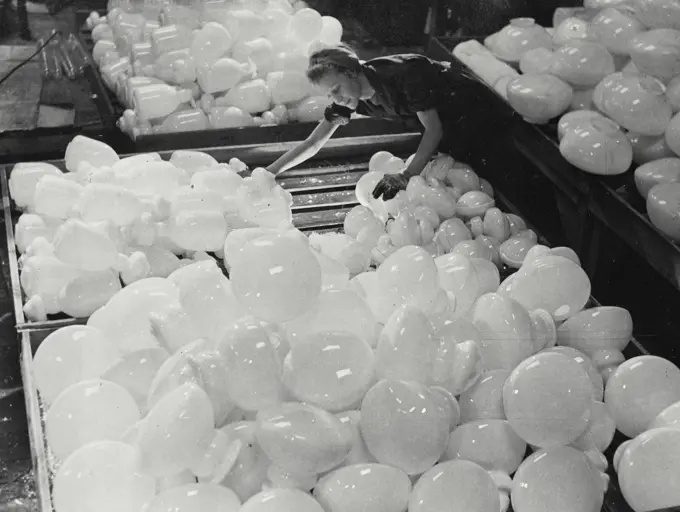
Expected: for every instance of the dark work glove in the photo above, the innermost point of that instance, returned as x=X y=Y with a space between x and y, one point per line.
x=389 y=186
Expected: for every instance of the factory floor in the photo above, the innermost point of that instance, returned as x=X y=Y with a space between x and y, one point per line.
x=27 y=102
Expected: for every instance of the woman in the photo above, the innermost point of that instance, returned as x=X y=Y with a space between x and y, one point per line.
x=408 y=87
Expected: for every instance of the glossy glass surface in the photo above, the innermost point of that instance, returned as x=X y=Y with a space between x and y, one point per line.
x=657 y=53
x=598 y=146
x=518 y=37
x=553 y=283
x=665 y=170
x=176 y=432
x=332 y=370
x=484 y=400
x=588 y=367
x=301 y=438
x=200 y=497
x=514 y=250
x=276 y=277
x=614 y=27
x=649 y=469
x=539 y=98
x=405 y=424
x=473 y=487
x=364 y=488
x=663 y=204
x=281 y=500
x=490 y=443
x=102 y=476
x=89 y=411
x=570 y=29
x=505 y=328
x=467 y=278
x=547 y=400
x=639 y=390
x=582 y=63
x=409 y=276
x=557 y=477
x=658 y=13
x=253 y=366
x=634 y=101
x=647 y=148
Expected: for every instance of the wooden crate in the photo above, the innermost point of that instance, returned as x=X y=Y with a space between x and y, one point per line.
x=323 y=194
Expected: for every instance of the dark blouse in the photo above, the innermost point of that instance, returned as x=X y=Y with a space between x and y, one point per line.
x=404 y=85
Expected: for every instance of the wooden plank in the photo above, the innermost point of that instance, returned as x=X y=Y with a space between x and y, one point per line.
x=16 y=53
x=57 y=93
x=323 y=195
x=24 y=85
x=19 y=95
x=18 y=115
x=17 y=295
x=36 y=431
x=51 y=117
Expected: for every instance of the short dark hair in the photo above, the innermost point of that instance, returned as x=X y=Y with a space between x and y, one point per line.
x=339 y=59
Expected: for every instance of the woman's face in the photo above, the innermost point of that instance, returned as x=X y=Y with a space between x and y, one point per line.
x=342 y=89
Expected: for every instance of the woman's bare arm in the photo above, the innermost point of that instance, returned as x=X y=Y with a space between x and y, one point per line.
x=306 y=149
x=428 y=144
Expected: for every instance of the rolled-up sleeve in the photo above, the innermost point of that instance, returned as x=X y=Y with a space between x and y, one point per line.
x=335 y=112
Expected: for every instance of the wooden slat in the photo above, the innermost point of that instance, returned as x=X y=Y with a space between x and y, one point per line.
x=322 y=198
x=36 y=432
x=17 y=295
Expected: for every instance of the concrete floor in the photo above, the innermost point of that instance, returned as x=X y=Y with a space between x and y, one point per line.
x=16 y=477
x=26 y=100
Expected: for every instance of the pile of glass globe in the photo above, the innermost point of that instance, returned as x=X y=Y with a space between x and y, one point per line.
x=611 y=70
x=109 y=220
x=215 y=64
x=426 y=385
x=448 y=210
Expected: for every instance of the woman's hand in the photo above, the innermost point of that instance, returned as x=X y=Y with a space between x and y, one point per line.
x=389 y=186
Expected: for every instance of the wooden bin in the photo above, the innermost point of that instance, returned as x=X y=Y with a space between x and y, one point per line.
x=322 y=194
x=111 y=109
x=32 y=336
